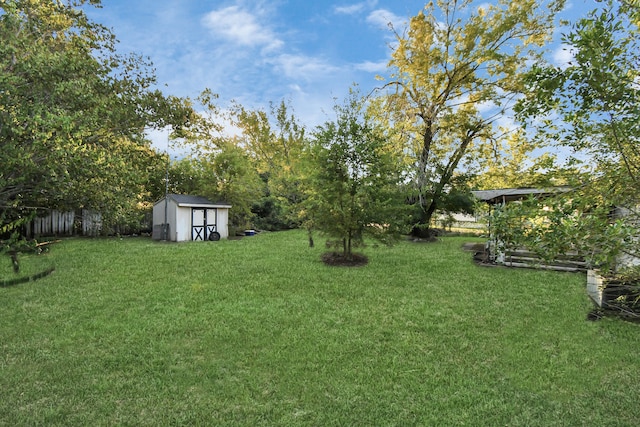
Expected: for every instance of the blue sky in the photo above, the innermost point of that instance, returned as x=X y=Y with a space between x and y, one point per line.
x=307 y=52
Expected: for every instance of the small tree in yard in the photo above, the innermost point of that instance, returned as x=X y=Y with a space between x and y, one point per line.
x=353 y=186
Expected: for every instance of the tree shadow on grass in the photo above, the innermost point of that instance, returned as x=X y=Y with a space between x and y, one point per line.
x=26 y=279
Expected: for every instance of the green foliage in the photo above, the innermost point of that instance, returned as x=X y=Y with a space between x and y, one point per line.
x=509 y=163
x=12 y=243
x=352 y=191
x=592 y=107
x=237 y=183
x=453 y=62
x=270 y=215
x=257 y=171
x=73 y=112
x=458 y=202
x=563 y=224
x=224 y=174
x=275 y=141
x=189 y=176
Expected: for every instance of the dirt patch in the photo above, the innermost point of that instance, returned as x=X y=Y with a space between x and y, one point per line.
x=479 y=251
x=423 y=239
x=339 y=260
x=473 y=247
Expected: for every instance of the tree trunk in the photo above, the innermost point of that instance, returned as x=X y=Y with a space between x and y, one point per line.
x=422 y=229
x=427 y=140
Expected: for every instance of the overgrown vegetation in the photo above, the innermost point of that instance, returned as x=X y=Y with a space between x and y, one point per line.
x=73 y=113
x=454 y=72
x=590 y=108
x=259 y=332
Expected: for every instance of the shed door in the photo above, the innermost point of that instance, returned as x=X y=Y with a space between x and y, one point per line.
x=203 y=223
x=211 y=220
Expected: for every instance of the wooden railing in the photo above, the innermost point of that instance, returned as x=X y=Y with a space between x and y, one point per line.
x=521 y=257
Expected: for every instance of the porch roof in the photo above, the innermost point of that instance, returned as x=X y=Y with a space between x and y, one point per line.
x=512 y=194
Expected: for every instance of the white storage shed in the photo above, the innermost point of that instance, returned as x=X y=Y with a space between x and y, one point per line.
x=180 y=217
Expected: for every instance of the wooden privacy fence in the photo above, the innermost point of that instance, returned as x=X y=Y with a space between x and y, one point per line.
x=57 y=223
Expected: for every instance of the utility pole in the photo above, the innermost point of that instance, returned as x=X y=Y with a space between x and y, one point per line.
x=165 y=225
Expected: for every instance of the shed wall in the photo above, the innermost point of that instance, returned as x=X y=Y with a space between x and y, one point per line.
x=159 y=216
x=183 y=224
x=179 y=220
x=223 y=223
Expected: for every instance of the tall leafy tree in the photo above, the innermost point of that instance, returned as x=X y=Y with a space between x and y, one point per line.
x=455 y=71
x=236 y=182
x=275 y=141
x=592 y=108
x=510 y=162
x=73 y=112
x=353 y=184
x=219 y=166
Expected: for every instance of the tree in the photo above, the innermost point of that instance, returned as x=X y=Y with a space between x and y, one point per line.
x=237 y=183
x=72 y=117
x=275 y=142
x=592 y=107
x=219 y=166
x=354 y=178
x=224 y=175
x=453 y=64
x=73 y=112
x=509 y=163
x=189 y=175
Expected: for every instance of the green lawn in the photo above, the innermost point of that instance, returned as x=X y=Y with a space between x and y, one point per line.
x=259 y=332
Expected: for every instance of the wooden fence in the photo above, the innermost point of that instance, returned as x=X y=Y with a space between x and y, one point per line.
x=85 y=223
x=56 y=223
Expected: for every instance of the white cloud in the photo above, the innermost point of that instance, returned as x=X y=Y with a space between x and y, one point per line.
x=241 y=27
x=354 y=8
x=372 y=67
x=384 y=18
x=349 y=10
x=303 y=67
x=295 y=88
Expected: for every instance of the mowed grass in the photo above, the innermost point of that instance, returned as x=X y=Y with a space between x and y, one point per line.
x=258 y=332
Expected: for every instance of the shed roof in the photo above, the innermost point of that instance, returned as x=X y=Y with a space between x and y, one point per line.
x=512 y=194
x=195 y=201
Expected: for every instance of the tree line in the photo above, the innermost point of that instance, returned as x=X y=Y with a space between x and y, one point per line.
x=469 y=102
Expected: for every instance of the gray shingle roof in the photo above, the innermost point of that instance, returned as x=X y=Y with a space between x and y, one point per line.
x=185 y=199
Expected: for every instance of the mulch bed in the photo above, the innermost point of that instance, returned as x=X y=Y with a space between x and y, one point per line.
x=339 y=260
